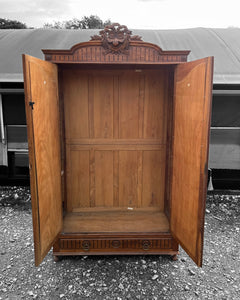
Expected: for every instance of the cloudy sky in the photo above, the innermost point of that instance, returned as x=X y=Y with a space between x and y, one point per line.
x=149 y=14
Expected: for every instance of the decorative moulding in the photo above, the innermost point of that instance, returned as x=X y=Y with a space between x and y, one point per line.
x=115 y=44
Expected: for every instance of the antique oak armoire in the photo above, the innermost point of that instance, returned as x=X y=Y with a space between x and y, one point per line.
x=118 y=144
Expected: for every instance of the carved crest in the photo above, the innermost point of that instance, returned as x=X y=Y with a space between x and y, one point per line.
x=115 y=38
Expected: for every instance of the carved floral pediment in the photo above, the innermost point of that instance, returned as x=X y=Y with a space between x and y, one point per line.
x=115 y=38
x=115 y=44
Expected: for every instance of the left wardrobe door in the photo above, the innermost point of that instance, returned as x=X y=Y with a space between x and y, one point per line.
x=43 y=124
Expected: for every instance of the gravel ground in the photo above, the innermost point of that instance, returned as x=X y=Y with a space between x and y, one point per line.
x=119 y=277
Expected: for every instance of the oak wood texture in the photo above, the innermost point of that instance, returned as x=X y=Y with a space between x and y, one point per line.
x=116 y=123
x=132 y=147
x=41 y=87
x=192 y=103
x=117 y=221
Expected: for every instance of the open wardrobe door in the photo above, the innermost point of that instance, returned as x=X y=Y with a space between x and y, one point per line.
x=191 y=115
x=42 y=111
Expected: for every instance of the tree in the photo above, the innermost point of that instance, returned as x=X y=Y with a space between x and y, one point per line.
x=11 y=24
x=55 y=25
x=91 y=22
x=73 y=24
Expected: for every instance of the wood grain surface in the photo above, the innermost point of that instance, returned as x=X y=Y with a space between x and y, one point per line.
x=192 y=103
x=41 y=87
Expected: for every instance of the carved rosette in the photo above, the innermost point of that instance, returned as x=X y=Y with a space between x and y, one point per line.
x=115 y=38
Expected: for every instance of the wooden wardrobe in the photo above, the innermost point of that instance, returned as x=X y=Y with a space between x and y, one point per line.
x=118 y=135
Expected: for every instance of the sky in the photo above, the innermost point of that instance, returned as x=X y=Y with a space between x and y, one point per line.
x=135 y=14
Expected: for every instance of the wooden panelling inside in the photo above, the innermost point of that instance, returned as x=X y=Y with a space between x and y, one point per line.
x=76 y=105
x=103 y=178
x=153 y=174
x=128 y=178
x=116 y=124
x=79 y=183
x=129 y=104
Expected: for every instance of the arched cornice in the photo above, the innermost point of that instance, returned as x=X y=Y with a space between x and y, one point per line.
x=116 y=45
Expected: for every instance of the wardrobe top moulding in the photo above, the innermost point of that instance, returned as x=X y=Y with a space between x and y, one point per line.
x=115 y=39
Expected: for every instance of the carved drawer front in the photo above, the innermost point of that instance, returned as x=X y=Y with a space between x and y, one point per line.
x=106 y=246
